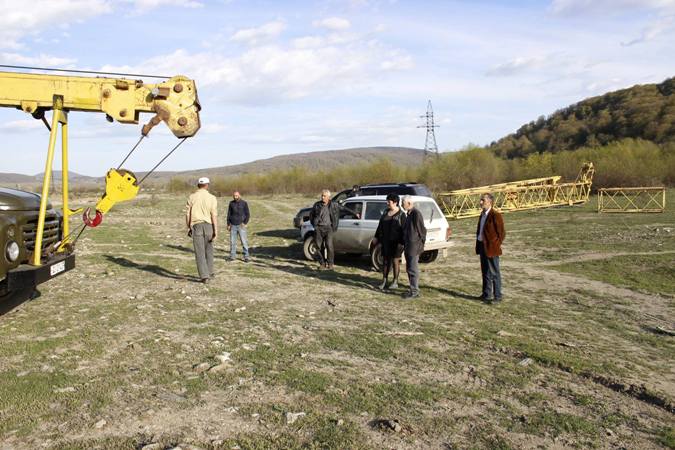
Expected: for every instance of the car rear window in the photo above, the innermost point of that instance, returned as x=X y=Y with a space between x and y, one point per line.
x=429 y=210
x=374 y=210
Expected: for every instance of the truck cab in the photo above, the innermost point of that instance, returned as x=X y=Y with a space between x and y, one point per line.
x=19 y=212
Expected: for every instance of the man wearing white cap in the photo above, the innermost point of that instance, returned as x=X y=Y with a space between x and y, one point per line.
x=202 y=221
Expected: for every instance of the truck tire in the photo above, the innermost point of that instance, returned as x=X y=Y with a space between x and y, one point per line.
x=429 y=256
x=309 y=248
x=376 y=258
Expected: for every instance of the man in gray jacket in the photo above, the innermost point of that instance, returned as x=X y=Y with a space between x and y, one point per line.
x=414 y=236
x=324 y=218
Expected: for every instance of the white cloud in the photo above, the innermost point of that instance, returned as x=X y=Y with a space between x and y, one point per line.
x=23 y=18
x=584 y=7
x=266 y=32
x=143 y=6
x=267 y=74
x=19 y=126
x=652 y=30
x=516 y=66
x=40 y=60
x=332 y=23
x=308 y=42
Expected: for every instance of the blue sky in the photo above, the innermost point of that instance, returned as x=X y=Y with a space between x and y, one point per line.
x=278 y=77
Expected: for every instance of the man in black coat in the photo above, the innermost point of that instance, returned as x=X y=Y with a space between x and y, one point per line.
x=324 y=218
x=414 y=236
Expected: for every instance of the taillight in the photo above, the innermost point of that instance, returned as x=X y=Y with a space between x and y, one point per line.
x=448 y=233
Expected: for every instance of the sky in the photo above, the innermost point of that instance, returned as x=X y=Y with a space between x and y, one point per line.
x=280 y=77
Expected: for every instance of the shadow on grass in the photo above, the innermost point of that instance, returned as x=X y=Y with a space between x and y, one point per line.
x=152 y=268
x=180 y=248
x=291 y=233
x=9 y=302
x=291 y=260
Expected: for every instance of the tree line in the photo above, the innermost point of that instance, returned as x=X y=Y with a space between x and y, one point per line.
x=626 y=162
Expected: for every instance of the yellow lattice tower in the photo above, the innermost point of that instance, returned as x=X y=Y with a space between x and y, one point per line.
x=520 y=195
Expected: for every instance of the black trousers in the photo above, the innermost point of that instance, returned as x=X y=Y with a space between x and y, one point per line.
x=492 y=277
x=323 y=237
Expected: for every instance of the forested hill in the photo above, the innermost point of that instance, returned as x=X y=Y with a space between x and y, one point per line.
x=643 y=111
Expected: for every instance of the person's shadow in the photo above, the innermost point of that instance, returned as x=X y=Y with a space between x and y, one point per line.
x=152 y=268
x=290 y=259
x=180 y=248
x=289 y=233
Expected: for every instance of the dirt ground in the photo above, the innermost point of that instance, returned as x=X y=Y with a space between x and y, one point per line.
x=130 y=351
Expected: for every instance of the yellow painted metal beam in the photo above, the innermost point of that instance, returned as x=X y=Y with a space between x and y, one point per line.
x=520 y=195
x=174 y=101
x=632 y=200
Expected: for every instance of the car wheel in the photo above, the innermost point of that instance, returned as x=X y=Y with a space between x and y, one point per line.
x=429 y=256
x=376 y=258
x=310 y=249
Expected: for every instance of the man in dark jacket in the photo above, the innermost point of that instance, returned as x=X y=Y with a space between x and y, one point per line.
x=324 y=218
x=490 y=234
x=238 y=216
x=414 y=236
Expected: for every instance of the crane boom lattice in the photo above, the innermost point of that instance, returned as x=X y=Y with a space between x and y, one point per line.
x=520 y=195
x=632 y=200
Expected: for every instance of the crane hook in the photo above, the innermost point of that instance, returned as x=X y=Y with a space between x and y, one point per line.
x=92 y=222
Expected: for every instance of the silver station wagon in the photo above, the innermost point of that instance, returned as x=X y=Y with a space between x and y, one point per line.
x=359 y=217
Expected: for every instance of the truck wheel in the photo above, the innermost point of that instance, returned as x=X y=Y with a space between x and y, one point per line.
x=376 y=258
x=310 y=249
x=429 y=256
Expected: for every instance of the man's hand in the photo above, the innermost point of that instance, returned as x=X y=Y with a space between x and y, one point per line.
x=189 y=232
x=229 y=227
x=243 y=225
x=213 y=238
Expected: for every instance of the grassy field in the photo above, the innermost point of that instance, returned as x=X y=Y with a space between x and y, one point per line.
x=128 y=351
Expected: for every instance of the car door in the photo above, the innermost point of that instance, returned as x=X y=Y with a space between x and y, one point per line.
x=349 y=227
x=371 y=219
x=434 y=220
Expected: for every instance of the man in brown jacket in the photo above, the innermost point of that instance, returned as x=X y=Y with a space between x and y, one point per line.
x=489 y=237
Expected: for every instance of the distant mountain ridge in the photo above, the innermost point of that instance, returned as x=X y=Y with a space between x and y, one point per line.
x=312 y=160
x=641 y=112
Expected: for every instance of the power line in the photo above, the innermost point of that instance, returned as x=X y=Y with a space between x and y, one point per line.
x=47 y=69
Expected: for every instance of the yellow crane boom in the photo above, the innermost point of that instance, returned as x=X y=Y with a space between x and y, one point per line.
x=173 y=102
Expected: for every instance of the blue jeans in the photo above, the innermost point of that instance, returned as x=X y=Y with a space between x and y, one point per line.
x=241 y=231
x=492 y=278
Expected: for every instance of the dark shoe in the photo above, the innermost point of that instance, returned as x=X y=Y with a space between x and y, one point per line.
x=410 y=295
x=247 y=259
x=497 y=299
x=205 y=280
x=484 y=299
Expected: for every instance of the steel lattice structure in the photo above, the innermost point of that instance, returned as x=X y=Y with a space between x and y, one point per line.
x=632 y=200
x=430 y=147
x=520 y=195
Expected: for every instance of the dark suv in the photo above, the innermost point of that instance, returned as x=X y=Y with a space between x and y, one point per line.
x=368 y=189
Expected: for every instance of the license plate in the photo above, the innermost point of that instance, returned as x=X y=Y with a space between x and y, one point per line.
x=57 y=268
